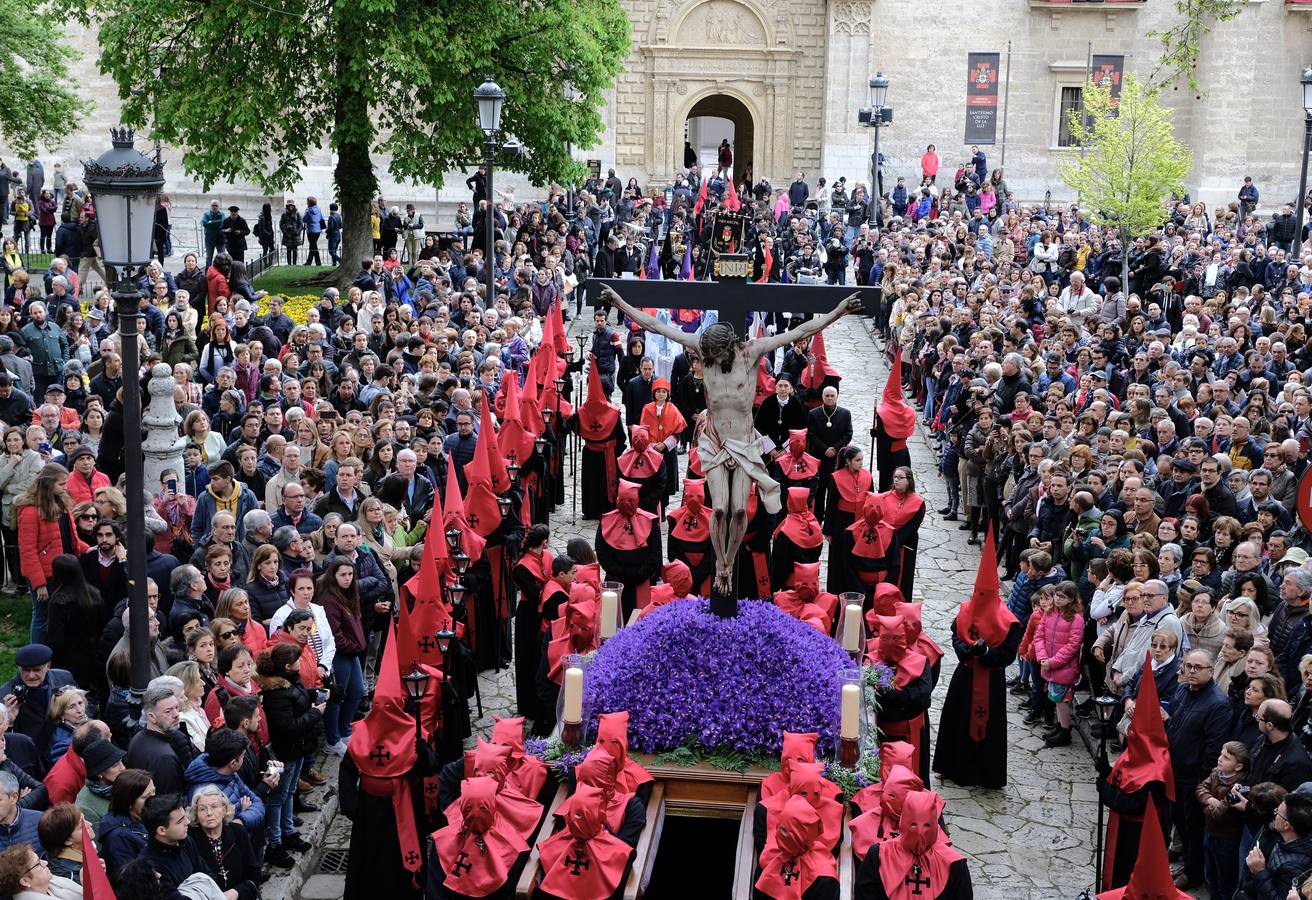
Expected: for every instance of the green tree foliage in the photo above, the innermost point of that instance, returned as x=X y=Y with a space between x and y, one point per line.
x=37 y=104
x=1182 y=42
x=250 y=87
x=1131 y=163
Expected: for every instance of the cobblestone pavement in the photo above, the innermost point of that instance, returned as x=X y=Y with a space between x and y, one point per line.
x=1031 y=841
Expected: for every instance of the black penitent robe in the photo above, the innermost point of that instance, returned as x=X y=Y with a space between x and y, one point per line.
x=632 y=567
x=597 y=472
x=823 y=888
x=1124 y=827
x=752 y=568
x=784 y=558
x=957 y=757
x=375 y=868
x=704 y=570
x=528 y=641
x=902 y=551
x=869 y=886
x=839 y=576
x=899 y=707
x=887 y=459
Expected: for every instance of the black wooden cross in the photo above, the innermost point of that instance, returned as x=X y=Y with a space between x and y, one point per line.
x=578 y=862
x=461 y=864
x=734 y=301
x=789 y=872
x=915 y=880
x=426 y=644
x=380 y=755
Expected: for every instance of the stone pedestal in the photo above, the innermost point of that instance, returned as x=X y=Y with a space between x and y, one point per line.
x=162 y=446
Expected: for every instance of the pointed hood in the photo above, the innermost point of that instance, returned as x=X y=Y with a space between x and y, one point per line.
x=434 y=565
x=798 y=747
x=817 y=365
x=515 y=441
x=691 y=522
x=899 y=419
x=1146 y=757
x=1151 y=878
x=984 y=615
x=489 y=446
x=597 y=415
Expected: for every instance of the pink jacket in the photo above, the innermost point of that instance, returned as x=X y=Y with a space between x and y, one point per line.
x=1057 y=642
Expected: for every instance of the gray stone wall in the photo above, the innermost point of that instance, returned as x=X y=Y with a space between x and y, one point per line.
x=802 y=90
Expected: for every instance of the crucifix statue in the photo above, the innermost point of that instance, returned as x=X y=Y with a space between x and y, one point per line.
x=729 y=445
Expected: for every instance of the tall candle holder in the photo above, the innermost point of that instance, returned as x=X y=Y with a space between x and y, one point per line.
x=851 y=717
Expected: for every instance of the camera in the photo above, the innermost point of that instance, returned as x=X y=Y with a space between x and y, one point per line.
x=21 y=691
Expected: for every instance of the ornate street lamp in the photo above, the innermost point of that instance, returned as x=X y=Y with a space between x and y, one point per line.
x=125 y=186
x=490 y=98
x=1306 y=81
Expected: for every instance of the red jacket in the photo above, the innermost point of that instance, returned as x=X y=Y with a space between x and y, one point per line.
x=217 y=286
x=83 y=491
x=39 y=542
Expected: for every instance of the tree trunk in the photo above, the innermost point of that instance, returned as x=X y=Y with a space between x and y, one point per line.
x=357 y=185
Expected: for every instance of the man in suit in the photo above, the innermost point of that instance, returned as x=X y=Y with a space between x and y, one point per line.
x=637 y=392
x=418 y=492
x=828 y=430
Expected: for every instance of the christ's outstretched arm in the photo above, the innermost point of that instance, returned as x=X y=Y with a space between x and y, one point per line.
x=649 y=323
x=762 y=346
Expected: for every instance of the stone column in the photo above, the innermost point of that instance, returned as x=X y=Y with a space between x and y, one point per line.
x=162 y=446
x=848 y=71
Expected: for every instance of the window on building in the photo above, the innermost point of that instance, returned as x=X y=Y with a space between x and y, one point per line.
x=1072 y=101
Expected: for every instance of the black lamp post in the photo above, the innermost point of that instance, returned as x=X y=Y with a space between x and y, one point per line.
x=1106 y=707
x=490 y=99
x=416 y=684
x=875 y=116
x=1306 y=81
x=125 y=185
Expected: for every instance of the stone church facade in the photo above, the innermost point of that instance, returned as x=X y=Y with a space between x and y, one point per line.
x=791 y=74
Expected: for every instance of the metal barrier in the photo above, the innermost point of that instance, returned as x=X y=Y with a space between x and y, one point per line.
x=262 y=264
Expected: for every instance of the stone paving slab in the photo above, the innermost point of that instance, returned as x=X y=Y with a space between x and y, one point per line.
x=1032 y=840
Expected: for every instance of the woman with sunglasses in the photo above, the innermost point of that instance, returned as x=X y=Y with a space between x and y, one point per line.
x=236 y=668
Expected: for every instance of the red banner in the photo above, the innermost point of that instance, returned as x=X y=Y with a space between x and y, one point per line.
x=982 y=98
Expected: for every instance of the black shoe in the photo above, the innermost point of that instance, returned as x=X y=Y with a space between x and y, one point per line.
x=1026 y=705
x=1034 y=716
x=1061 y=739
x=1020 y=689
x=296 y=820
x=972 y=540
x=278 y=856
x=964 y=526
x=304 y=806
x=945 y=510
x=1051 y=732
x=295 y=843
x=1049 y=716
x=950 y=517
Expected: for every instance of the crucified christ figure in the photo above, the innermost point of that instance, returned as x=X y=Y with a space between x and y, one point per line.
x=729 y=446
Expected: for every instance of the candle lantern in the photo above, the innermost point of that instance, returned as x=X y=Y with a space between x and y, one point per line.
x=852 y=724
x=851 y=631
x=453 y=538
x=461 y=559
x=457 y=594
x=503 y=505
x=512 y=470
x=539 y=444
x=611 y=614
x=569 y=707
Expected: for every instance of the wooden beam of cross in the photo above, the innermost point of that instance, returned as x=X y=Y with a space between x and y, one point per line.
x=733 y=301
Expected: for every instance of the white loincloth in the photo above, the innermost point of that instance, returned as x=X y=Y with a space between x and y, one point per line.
x=715 y=452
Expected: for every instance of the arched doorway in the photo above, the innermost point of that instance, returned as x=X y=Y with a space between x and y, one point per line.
x=716 y=118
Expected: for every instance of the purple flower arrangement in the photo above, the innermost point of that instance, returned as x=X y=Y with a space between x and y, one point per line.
x=690 y=678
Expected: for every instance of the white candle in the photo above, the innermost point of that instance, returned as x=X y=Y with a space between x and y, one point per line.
x=848 y=727
x=573 y=695
x=610 y=602
x=852 y=628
